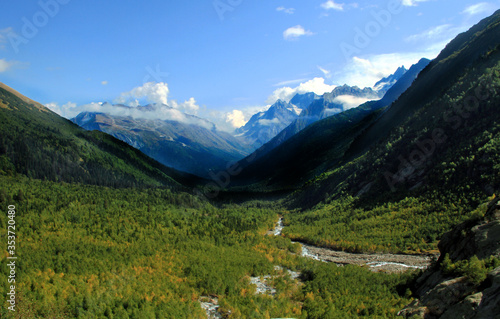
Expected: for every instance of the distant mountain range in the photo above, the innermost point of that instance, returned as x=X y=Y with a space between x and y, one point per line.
x=434 y=129
x=40 y=144
x=189 y=144
x=309 y=149
x=194 y=145
x=307 y=108
x=342 y=98
x=330 y=104
x=263 y=126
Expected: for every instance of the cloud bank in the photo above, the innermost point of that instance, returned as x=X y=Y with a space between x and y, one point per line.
x=155 y=95
x=316 y=85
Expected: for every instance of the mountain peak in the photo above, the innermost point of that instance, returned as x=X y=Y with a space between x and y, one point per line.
x=386 y=83
x=279 y=104
x=304 y=100
x=351 y=90
x=263 y=126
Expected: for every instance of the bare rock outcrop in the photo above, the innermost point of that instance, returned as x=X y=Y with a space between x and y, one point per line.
x=481 y=238
x=444 y=297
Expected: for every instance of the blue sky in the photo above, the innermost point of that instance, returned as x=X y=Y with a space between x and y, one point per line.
x=222 y=59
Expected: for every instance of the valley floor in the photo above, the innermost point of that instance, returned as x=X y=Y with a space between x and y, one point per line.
x=91 y=251
x=391 y=263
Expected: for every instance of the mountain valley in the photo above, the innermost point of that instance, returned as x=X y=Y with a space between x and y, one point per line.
x=191 y=145
x=378 y=202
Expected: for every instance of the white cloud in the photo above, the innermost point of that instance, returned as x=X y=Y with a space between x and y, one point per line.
x=152 y=92
x=482 y=7
x=104 y=82
x=7 y=65
x=286 y=10
x=236 y=118
x=229 y=121
x=412 y=3
x=316 y=85
x=349 y=101
x=156 y=93
x=188 y=106
x=325 y=72
x=295 y=32
x=366 y=72
x=439 y=33
x=157 y=112
x=329 y=5
x=69 y=108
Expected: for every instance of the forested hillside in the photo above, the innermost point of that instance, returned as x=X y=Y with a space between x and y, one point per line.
x=38 y=143
x=433 y=167
x=320 y=146
x=193 y=145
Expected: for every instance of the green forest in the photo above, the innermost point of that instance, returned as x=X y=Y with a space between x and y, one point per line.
x=97 y=252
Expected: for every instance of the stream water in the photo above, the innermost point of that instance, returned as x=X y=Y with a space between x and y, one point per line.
x=376 y=262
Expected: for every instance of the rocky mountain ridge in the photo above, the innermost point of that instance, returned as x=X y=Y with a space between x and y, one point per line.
x=191 y=144
x=386 y=83
x=263 y=126
x=288 y=118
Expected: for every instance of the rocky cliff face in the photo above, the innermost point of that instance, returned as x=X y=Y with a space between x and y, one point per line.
x=441 y=295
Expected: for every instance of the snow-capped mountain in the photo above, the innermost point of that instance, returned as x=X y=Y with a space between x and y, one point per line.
x=386 y=83
x=304 y=100
x=263 y=126
x=339 y=100
x=184 y=142
x=307 y=108
x=343 y=98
